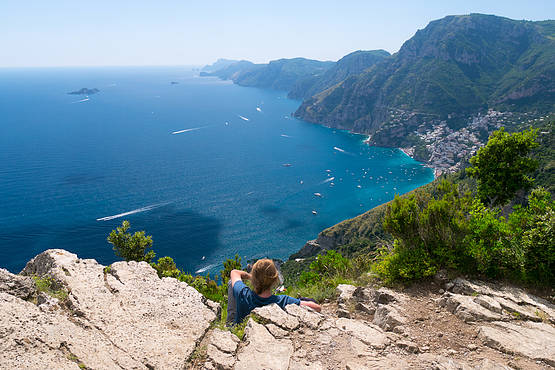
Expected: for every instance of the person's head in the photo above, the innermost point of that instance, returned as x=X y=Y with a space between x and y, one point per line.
x=264 y=275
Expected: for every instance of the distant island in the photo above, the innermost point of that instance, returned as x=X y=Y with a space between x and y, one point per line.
x=84 y=91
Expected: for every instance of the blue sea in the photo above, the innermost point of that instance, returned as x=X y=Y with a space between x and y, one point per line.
x=208 y=168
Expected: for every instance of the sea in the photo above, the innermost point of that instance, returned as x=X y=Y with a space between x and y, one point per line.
x=209 y=169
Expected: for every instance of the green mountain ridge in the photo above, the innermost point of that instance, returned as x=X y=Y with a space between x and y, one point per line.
x=455 y=67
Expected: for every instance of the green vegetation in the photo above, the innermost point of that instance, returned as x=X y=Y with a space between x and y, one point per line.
x=131 y=247
x=46 y=284
x=446 y=228
x=503 y=165
x=328 y=270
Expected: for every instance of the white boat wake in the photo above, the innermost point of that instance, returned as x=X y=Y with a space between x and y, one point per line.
x=138 y=210
x=341 y=150
x=243 y=118
x=81 y=101
x=327 y=180
x=187 y=130
x=204 y=268
x=283 y=135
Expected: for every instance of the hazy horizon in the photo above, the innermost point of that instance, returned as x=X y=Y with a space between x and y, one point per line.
x=175 y=33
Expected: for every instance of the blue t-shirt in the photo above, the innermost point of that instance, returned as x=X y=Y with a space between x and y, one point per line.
x=247 y=300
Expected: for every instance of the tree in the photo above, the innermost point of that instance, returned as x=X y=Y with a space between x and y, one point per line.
x=131 y=247
x=501 y=167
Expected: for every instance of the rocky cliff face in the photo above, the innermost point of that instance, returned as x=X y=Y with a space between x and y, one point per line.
x=126 y=317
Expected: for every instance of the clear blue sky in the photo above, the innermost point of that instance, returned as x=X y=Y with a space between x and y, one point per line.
x=185 y=32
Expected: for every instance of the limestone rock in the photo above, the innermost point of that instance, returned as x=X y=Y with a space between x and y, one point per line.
x=20 y=286
x=32 y=339
x=129 y=304
x=388 y=317
x=262 y=350
x=276 y=331
x=306 y=316
x=530 y=339
x=466 y=309
x=345 y=292
x=368 y=334
x=224 y=340
x=274 y=314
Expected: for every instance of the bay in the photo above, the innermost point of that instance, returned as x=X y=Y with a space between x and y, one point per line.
x=208 y=168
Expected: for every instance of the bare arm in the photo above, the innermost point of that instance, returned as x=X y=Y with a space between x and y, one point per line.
x=315 y=306
x=237 y=275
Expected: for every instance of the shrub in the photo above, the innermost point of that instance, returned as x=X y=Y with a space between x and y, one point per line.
x=166 y=267
x=131 y=247
x=503 y=165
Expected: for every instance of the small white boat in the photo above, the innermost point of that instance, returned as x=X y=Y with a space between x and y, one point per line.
x=358 y=186
x=314 y=212
x=287 y=165
x=318 y=194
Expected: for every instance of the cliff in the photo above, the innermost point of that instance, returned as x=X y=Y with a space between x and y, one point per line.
x=75 y=313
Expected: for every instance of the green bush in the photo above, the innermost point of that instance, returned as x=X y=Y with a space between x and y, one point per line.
x=131 y=247
x=428 y=229
x=166 y=267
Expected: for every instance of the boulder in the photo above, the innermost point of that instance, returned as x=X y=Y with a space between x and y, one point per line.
x=262 y=350
x=529 y=339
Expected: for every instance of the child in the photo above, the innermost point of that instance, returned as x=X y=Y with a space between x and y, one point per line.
x=264 y=277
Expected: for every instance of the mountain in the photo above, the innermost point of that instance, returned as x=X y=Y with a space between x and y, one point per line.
x=219 y=64
x=452 y=69
x=351 y=64
x=281 y=74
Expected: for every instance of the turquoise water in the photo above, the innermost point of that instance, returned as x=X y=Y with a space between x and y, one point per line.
x=69 y=167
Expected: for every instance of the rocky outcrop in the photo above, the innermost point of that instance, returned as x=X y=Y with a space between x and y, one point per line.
x=123 y=315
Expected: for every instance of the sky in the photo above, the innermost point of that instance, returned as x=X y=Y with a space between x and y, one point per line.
x=48 y=33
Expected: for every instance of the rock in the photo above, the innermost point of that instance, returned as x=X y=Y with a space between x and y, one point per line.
x=387 y=296
x=32 y=339
x=472 y=347
x=368 y=334
x=276 y=331
x=274 y=314
x=130 y=304
x=387 y=318
x=521 y=312
x=46 y=302
x=366 y=308
x=466 y=309
x=262 y=350
x=488 y=364
x=529 y=339
x=306 y=316
x=345 y=292
x=364 y=294
x=220 y=360
x=343 y=312
x=20 y=286
x=407 y=346
x=224 y=340
x=489 y=303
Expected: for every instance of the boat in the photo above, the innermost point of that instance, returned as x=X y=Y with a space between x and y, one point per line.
x=314 y=212
x=318 y=194
x=287 y=165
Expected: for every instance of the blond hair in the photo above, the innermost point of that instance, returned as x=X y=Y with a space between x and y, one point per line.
x=264 y=275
